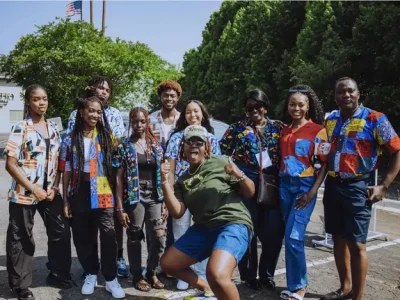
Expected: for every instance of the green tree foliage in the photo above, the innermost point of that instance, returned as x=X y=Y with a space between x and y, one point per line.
x=63 y=55
x=276 y=44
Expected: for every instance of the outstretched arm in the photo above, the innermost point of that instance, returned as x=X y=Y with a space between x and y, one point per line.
x=175 y=208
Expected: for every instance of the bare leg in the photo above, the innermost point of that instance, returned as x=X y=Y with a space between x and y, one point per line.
x=342 y=259
x=359 y=268
x=177 y=264
x=219 y=275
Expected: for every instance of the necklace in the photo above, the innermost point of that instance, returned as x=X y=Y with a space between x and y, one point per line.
x=202 y=163
x=88 y=133
x=262 y=125
x=145 y=152
x=298 y=126
x=144 y=148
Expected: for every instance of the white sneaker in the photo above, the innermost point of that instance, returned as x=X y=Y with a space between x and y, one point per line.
x=181 y=285
x=115 y=289
x=89 y=284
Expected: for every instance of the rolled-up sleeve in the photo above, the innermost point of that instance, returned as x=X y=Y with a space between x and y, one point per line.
x=14 y=144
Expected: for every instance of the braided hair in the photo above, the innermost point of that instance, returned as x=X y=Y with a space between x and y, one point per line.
x=104 y=136
x=149 y=135
x=315 y=112
x=28 y=93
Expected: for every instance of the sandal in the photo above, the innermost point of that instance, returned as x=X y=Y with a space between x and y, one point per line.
x=285 y=294
x=156 y=283
x=296 y=296
x=142 y=285
x=337 y=295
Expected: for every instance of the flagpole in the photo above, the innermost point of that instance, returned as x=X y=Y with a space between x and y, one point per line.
x=91 y=12
x=81 y=16
x=104 y=19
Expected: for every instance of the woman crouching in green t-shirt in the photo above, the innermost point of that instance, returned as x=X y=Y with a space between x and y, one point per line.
x=212 y=189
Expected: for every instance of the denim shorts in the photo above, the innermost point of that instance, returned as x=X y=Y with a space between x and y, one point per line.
x=198 y=242
x=347 y=209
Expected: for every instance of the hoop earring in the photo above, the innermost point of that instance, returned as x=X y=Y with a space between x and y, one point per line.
x=306 y=114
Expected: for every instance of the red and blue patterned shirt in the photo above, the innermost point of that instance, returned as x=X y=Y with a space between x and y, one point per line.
x=298 y=148
x=357 y=142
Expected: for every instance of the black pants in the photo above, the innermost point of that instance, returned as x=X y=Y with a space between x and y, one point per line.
x=20 y=245
x=85 y=223
x=270 y=230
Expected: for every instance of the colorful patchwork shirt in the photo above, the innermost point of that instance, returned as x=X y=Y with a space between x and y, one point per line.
x=29 y=148
x=240 y=142
x=126 y=157
x=173 y=150
x=161 y=130
x=357 y=142
x=114 y=119
x=298 y=148
x=101 y=195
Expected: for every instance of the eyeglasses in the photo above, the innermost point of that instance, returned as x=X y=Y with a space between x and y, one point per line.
x=197 y=144
x=253 y=107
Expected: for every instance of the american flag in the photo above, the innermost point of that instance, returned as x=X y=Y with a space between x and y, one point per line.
x=74 y=8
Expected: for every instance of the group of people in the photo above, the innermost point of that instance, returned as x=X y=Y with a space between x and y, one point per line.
x=198 y=202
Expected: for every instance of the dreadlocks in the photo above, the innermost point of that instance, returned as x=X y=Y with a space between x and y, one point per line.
x=104 y=136
x=149 y=135
x=315 y=112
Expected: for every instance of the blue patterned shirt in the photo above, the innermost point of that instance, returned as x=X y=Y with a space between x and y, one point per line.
x=240 y=142
x=126 y=157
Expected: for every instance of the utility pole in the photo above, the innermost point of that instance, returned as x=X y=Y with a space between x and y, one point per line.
x=103 y=28
x=91 y=12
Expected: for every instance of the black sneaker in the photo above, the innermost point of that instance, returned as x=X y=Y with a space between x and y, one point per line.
x=24 y=294
x=253 y=284
x=53 y=281
x=268 y=283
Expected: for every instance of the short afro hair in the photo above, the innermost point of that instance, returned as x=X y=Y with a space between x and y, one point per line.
x=167 y=85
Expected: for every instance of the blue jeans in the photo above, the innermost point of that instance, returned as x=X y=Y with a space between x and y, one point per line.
x=296 y=222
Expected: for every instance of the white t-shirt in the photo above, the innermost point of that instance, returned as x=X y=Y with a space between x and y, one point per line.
x=161 y=130
x=87 y=142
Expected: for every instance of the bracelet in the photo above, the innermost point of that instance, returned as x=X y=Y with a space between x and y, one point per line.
x=165 y=182
x=243 y=177
x=65 y=202
x=55 y=188
x=119 y=209
x=34 y=189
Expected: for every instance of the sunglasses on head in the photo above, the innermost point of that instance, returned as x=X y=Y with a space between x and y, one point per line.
x=298 y=91
x=195 y=143
x=252 y=107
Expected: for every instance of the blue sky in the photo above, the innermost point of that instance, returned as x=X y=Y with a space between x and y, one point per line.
x=170 y=28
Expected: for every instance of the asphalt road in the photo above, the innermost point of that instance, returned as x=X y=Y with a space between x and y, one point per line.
x=383 y=280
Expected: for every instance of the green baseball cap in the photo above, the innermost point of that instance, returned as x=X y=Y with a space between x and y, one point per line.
x=195 y=131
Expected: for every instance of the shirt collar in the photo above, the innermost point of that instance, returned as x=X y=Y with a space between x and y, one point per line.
x=356 y=113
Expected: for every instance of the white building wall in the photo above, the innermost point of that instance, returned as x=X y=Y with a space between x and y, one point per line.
x=15 y=104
